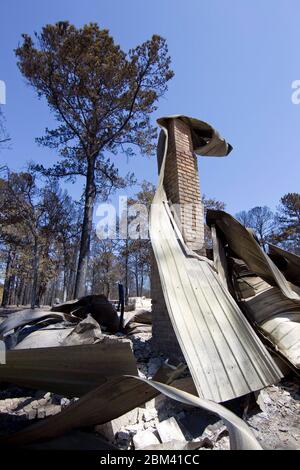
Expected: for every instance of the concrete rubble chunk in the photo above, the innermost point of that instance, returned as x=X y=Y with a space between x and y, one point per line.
x=65 y=402
x=51 y=410
x=144 y=439
x=169 y=430
x=111 y=429
x=134 y=428
x=150 y=404
x=41 y=413
x=149 y=414
x=150 y=426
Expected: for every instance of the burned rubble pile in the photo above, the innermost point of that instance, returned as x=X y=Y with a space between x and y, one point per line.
x=83 y=375
x=20 y=407
x=158 y=423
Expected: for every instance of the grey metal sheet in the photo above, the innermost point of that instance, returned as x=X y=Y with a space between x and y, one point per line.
x=44 y=338
x=68 y=370
x=27 y=316
x=274 y=305
x=245 y=246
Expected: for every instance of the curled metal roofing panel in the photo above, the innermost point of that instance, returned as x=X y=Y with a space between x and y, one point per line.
x=276 y=309
x=244 y=244
x=27 y=316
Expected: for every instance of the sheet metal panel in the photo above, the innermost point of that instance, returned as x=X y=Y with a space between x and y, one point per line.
x=224 y=355
x=68 y=370
x=275 y=305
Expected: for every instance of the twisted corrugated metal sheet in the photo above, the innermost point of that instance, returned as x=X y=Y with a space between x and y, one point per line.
x=287 y=262
x=275 y=303
x=224 y=355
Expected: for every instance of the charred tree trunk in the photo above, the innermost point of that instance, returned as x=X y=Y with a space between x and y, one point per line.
x=35 y=273
x=11 y=289
x=65 y=273
x=8 y=278
x=52 y=293
x=55 y=297
x=21 y=291
x=93 y=280
x=126 y=272
x=65 y=282
x=90 y=196
x=107 y=289
x=136 y=276
x=23 y=299
x=71 y=284
x=142 y=282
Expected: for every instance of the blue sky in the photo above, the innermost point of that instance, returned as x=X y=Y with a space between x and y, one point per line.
x=234 y=63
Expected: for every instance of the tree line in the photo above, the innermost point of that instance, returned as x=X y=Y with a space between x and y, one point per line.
x=281 y=227
x=40 y=228
x=40 y=241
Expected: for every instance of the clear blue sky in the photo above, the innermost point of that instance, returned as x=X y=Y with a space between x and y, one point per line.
x=234 y=62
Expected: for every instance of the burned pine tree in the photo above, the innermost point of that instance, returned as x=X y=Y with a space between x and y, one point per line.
x=102 y=98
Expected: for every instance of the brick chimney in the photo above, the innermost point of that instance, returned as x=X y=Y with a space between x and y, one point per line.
x=181 y=182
